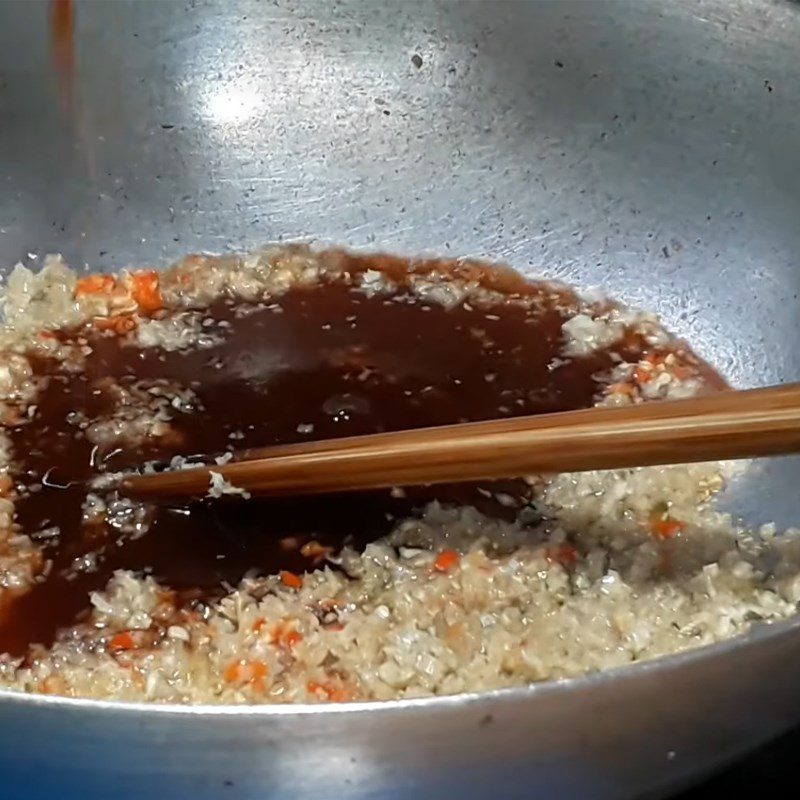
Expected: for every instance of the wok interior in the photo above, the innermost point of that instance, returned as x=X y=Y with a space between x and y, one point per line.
x=648 y=150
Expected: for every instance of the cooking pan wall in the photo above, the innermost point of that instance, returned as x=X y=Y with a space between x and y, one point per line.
x=646 y=147
x=649 y=148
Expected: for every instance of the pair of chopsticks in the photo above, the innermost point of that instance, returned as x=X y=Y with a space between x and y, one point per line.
x=731 y=424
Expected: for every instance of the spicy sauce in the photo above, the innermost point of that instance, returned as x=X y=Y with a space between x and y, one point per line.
x=316 y=363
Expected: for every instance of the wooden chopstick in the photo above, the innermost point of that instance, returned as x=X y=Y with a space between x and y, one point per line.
x=731 y=424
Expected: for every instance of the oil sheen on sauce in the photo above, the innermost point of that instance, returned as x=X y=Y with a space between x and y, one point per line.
x=316 y=363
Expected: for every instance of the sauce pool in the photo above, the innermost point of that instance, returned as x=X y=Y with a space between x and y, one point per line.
x=316 y=363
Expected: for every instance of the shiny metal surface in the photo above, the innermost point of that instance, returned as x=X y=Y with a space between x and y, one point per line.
x=649 y=148
x=639 y=732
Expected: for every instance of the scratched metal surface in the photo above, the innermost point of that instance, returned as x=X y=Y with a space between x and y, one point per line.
x=649 y=148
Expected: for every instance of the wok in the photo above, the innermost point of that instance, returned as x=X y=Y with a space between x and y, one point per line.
x=650 y=148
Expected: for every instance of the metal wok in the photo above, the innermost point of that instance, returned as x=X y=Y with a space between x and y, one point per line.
x=647 y=147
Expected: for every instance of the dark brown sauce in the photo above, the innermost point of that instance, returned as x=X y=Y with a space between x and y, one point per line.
x=328 y=357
